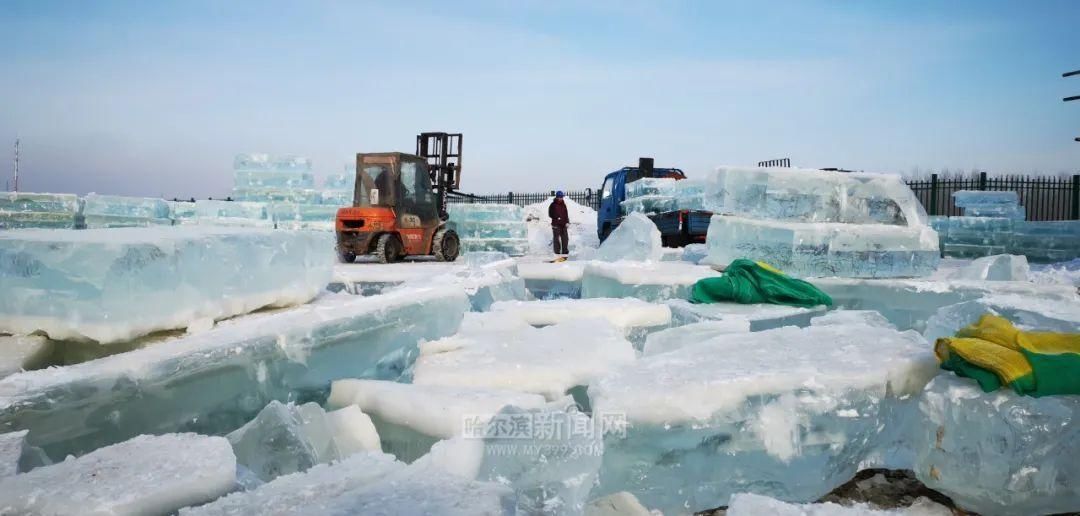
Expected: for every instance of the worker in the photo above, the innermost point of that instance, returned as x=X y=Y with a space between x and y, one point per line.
x=559 y=219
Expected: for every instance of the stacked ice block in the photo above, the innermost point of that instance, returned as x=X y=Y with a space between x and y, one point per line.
x=228 y=213
x=819 y=223
x=490 y=227
x=338 y=189
x=655 y=195
x=114 y=211
x=303 y=216
x=993 y=223
x=266 y=178
x=39 y=210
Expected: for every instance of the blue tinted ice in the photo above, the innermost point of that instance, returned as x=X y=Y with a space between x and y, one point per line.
x=967 y=198
x=39 y=210
x=303 y=216
x=114 y=211
x=635 y=239
x=490 y=227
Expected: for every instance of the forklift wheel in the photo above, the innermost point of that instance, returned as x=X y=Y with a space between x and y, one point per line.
x=388 y=249
x=446 y=245
x=346 y=256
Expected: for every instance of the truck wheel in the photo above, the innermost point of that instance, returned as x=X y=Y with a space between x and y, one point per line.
x=346 y=256
x=446 y=245
x=388 y=248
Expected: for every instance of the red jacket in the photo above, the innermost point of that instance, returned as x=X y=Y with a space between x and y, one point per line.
x=557 y=212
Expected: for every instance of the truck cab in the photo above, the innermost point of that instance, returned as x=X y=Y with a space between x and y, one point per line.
x=613 y=192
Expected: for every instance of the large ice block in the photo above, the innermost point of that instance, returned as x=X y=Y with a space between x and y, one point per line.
x=825 y=249
x=510 y=246
x=551 y=361
x=999 y=453
x=411 y=418
x=748 y=504
x=790 y=413
x=635 y=239
x=1000 y=267
x=968 y=198
x=145 y=475
x=314 y=492
x=1026 y=312
x=22 y=352
x=111 y=285
x=803 y=195
x=277 y=195
x=635 y=317
x=260 y=161
x=760 y=317
x=649 y=281
x=40 y=210
x=215 y=381
x=369 y=278
x=287 y=438
x=229 y=213
x=546 y=280
x=303 y=216
x=681 y=336
x=490 y=227
x=273 y=179
x=462 y=212
x=485 y=282
x=114 y=211
x=1046 y=241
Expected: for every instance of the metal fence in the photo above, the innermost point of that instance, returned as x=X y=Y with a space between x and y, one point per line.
x=1043 y=198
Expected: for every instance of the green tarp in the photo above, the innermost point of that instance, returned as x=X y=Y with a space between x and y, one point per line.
x=749 y=282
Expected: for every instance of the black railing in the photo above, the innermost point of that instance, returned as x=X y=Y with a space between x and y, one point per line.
x=586 y=197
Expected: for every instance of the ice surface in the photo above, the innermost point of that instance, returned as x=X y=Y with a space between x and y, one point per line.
x=110 y=285
x=22 y=352
x=680 y=336
x=412 y=417
x=649 y=281
x=114 y=211
x=1000 y=267
x=760 y=316
x=40 y=210
x=552 y=280
x=1026 y=312
x=825 y=249
x=1065 y=273
x=618 y=504
x=549 y=361
x=635 y=239
x=215 y=381
x=625 y=313
x=790 y=413
x=303 y=216
x=999 y=453
x=314 y=492
x=287 y=438
x=747 y=504
x=145 y=475
x=852 y=317
x=490 y=227
x=485 y=282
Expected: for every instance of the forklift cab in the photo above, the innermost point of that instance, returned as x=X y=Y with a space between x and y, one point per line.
x=397 y=181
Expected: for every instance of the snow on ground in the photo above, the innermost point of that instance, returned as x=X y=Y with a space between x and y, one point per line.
x=582 y=228
x=1065 y=273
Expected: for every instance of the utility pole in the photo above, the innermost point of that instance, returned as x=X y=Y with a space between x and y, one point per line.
x=16 y=164
x=1074 y=97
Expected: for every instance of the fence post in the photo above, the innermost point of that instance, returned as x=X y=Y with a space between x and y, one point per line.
x=509 y=197
x=1076 y=197
x=982 y=180
x=933 y=194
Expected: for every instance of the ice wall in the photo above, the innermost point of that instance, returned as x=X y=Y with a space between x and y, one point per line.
x=111 y=285
x=993 y=223
x=114 y=211
x=40 y=210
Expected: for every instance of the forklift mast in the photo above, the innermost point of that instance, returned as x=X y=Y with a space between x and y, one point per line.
x=442 y=151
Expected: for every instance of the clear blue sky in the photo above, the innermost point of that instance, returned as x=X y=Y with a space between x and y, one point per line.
x=150 y=98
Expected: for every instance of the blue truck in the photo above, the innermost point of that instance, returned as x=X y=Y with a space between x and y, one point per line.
x=677 y=228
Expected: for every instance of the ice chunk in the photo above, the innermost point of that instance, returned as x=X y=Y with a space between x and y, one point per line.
x=118 y=284
x=11 y=451
x=695 y=253
x=1065 y=273
x=1046 y=241
x=229 y=213
x=313 y=492
x=1025 y=312
x=286 y=438
x=680 y=336
x=303 y=216
x=22 y=352
x=213 y=382
x=618 y=504
x=552 y=280
x=40 y=210
x=114 y=211
x=967 y=198
x=1001 y=267
x=551 y=361
x=485 y=283
x=649 y=281
x=821 y=249
x=145 y=475
x=490 y=227
x=1025 y=448
x=760 y=316
x=635 y=239
x=747 y=504
x=627 y=314
x=410 y=418
x=460 y=212
x=852 y=317
x=791 y=413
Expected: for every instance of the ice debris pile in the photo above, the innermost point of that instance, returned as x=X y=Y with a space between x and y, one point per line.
x=490 y=227
x=994 y=223
x=110 y=285
x=819 y=223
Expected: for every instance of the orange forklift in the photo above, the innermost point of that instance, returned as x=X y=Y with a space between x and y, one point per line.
x=399 y=205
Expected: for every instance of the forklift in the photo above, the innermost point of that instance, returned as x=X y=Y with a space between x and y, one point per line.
x=399 y=204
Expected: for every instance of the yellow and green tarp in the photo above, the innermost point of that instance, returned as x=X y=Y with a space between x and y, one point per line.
x=749 y=282
x=994 y=353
